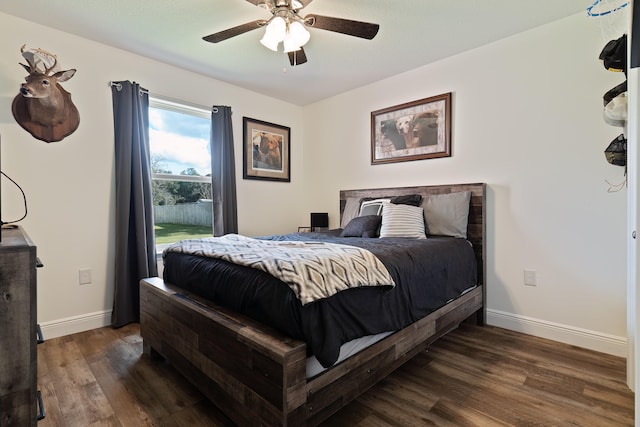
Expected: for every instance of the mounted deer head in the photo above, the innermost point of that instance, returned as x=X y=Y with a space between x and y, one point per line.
x=43 y=107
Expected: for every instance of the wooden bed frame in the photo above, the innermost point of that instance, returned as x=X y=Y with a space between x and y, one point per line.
x=257 y=376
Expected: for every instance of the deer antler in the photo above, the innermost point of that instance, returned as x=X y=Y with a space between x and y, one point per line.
x=40 y=59
x=28 y=57
x=48 y=71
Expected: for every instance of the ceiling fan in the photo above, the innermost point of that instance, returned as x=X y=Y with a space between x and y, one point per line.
x=285 y=25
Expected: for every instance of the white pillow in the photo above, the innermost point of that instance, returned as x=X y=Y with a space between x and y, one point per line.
x=402 y=221
x=373 y=207
x=447 y=214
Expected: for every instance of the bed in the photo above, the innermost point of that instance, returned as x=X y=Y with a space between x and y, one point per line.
x=258 y=375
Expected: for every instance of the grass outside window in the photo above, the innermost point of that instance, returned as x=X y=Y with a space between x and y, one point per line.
x=170 y=233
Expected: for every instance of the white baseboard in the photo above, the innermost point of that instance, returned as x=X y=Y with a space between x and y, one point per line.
x=584 y=338
x=579 y=337
x=75 y=324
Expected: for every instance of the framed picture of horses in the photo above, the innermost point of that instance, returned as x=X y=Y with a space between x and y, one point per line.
x=266 y=150
x=413 y=131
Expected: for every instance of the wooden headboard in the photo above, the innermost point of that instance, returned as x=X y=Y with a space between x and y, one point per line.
x=476 y=230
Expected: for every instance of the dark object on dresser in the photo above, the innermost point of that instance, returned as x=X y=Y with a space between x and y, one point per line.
x=19 y=396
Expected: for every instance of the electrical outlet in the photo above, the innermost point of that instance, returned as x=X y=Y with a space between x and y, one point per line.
x=84 y=276
x=530 y=277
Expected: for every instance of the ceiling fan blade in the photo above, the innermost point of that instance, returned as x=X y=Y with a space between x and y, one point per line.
x=361 y=29
x=297 y=58
x=235 y=31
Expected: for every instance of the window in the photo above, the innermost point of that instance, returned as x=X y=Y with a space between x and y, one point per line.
x=181 y=171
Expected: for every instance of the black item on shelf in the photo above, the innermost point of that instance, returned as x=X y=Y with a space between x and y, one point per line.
x=319 y=220
x=616 y=152
x=613 y=92
x=614 y=55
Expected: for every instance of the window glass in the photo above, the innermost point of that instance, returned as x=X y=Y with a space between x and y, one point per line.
x=181 y=171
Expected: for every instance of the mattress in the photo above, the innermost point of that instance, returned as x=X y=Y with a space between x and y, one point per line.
x=352 y=347
x=428 y=273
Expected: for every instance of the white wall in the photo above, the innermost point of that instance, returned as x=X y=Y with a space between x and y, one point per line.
x=70 y=184
x=527 y=120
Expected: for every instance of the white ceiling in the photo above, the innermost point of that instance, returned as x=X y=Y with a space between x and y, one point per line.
x=412 y=33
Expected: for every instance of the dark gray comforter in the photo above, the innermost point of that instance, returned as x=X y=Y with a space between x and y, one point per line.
x=428 y=273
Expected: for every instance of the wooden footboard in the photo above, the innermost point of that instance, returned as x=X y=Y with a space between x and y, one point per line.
x=255 y=374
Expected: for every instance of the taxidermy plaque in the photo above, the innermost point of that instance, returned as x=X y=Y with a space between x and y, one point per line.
x=43 y=108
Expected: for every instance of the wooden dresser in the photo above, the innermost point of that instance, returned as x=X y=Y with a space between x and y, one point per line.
x=18 y=330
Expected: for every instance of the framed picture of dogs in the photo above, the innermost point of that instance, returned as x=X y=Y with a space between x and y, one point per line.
x=413 y=131
x=266 y=150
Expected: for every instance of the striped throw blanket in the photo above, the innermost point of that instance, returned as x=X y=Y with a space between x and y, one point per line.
x=313 y=270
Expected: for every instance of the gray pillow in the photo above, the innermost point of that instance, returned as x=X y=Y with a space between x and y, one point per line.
x=362 y=226
x=447 y=214
x=351 y=210
x=409 y=199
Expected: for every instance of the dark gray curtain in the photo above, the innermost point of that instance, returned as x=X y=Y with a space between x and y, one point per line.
x=135 y=242
x=223 y=173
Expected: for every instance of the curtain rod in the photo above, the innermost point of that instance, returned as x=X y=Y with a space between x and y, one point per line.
x=118 y=87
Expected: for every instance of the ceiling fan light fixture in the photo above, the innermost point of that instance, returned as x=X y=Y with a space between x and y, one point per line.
x=290 y=45
x=274 y=33
x=269 y=43
x=296 y=37
x=298 y=33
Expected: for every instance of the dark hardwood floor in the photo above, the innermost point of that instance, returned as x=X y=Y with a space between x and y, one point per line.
x=475 y=376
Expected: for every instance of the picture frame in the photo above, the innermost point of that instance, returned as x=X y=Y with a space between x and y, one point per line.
x=266 y=150
x=415 y=130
